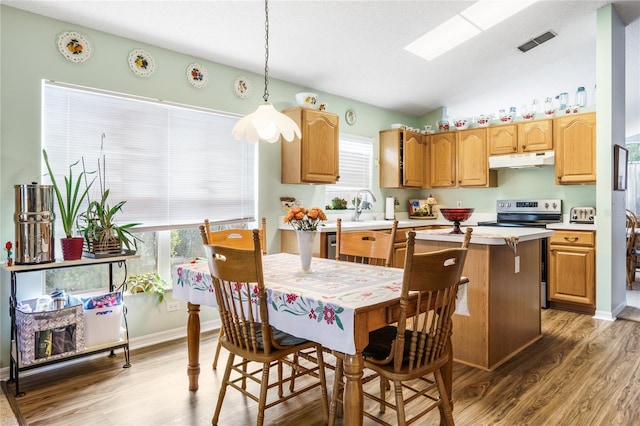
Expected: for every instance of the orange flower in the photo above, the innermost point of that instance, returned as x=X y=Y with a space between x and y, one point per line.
x=302 y=219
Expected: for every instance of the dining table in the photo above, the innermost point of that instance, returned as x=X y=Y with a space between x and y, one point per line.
x=336 y=304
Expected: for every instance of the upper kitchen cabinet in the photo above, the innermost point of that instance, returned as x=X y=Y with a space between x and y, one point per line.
x=527 y=136
x=473 y=162
x=443 y=160
x=313 y=158
x=402 y=159
x=460 y=159
x=575 y=141
x=535 y=135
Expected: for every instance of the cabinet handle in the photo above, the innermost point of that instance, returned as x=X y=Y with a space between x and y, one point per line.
x=559 y=177
x=524 y=147
x=571 y=239
x=515 y=148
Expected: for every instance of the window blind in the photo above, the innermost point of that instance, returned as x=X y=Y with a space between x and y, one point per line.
x=174 y=165
x=356 y=162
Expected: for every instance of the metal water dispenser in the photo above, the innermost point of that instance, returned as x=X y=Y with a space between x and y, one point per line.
x=34 y=220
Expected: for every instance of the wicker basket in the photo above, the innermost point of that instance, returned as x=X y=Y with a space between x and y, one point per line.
x=112 y=246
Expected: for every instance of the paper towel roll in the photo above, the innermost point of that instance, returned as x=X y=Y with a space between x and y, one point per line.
x=388 y=208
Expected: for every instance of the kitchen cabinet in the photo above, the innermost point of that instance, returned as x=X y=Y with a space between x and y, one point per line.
x=527 y=136
x=55 y=320
x=402 y=159
x=314 y=157
x=460 y=159
x=575 y=142
x=572 y=283
x=443 y=160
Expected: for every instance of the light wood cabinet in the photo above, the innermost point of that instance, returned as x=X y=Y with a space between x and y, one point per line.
x=443 y=160
x=575 y=141
x=535 y=135
x=460 y=160
x=472 y=159
x=503 y=139
x=527 y=136
x=402 y=159
x=314 y=158
x=572 y=282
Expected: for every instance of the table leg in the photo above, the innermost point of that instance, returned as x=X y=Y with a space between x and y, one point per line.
x=353 y=398
x=193 y=345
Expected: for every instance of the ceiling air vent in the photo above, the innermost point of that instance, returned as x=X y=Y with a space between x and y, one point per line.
x=537 y=41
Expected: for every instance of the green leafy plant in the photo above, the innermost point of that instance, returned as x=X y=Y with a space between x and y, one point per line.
x=98 y=225
x=69 y=204
x=150 y=283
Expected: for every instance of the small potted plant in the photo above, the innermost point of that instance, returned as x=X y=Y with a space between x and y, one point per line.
x=69 y=205
x=149 y=283
x=102 y=235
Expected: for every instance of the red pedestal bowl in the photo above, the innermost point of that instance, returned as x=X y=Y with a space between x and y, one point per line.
x=456 y=215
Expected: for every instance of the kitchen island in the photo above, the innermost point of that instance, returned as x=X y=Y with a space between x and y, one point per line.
x=499 y=315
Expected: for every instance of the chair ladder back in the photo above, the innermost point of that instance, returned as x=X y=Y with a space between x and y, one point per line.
x=239 y=237
x=237 y=275
x=366 y=247
x=426 y=318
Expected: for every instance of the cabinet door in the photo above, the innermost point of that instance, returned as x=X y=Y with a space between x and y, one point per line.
x=426 y=162
x=473 y=167
x=572 y=274
x=412 y=160
x=390 y=158
x=535 y=135
x=503 y=139
x=443 y=160
x=575 y=140
x=319 y=147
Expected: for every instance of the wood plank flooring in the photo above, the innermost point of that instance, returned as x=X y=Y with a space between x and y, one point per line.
x=582 y=372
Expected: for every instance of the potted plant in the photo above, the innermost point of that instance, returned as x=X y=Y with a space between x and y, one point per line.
x=101 y=233
x=69 y=205
x=149 y=283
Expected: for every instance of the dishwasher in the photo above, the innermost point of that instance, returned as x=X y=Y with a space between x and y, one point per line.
x=331 y=245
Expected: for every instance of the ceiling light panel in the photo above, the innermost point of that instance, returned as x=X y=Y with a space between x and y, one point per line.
x=444 y=37
x=487 y=13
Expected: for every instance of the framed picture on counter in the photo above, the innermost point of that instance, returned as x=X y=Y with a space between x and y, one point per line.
x=619 y=168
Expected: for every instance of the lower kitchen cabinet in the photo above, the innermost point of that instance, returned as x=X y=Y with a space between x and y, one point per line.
x=572 y=284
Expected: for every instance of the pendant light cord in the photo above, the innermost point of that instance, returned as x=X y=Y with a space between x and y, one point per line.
x=265 y=96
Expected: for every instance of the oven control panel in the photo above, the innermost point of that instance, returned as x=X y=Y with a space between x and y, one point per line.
x=582 y=215
x=529 y=206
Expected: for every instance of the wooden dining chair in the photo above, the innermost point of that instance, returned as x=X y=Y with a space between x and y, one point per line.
x=418 y=346
x=632 y=251
x=235 y=237
x=371 y=247
x=242 y=302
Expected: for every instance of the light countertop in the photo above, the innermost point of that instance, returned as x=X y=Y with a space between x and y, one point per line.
x=488 y=235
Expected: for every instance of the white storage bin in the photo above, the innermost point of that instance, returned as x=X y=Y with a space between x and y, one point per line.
x=102 y=325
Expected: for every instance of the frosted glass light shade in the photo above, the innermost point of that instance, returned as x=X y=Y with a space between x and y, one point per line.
x=267 y=124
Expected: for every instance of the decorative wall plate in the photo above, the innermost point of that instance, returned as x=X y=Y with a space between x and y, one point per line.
x=350 y=117
x=197 y=75
x=242 y=87
x=141 y=63
x=74 y=46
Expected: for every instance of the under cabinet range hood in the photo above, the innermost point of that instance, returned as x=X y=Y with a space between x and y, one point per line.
x=519 y=161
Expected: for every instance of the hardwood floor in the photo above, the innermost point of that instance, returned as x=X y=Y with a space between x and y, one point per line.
x=582 y=372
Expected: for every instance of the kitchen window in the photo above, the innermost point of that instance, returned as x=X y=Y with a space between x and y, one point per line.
x=356 y=165
x=174 y=165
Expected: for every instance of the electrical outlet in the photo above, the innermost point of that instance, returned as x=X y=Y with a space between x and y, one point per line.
x=173 y=306
x=517 y=264
x=458 y=203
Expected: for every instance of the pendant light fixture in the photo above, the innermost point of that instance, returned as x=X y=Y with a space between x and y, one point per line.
x=266 y=123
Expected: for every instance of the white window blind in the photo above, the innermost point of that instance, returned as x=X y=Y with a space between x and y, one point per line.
x=356 y=162
x=173 y=165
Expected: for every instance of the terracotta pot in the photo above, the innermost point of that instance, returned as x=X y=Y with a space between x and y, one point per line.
x=72 y=248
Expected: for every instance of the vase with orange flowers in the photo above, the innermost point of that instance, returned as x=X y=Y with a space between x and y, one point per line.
x=305 y=222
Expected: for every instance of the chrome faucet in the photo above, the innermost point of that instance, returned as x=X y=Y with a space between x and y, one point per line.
x=358 y=205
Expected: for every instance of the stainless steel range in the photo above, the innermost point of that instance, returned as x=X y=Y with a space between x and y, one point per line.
x=530 y=213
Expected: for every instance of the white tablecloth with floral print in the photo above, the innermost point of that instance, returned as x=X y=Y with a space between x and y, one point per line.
x=319 y=306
